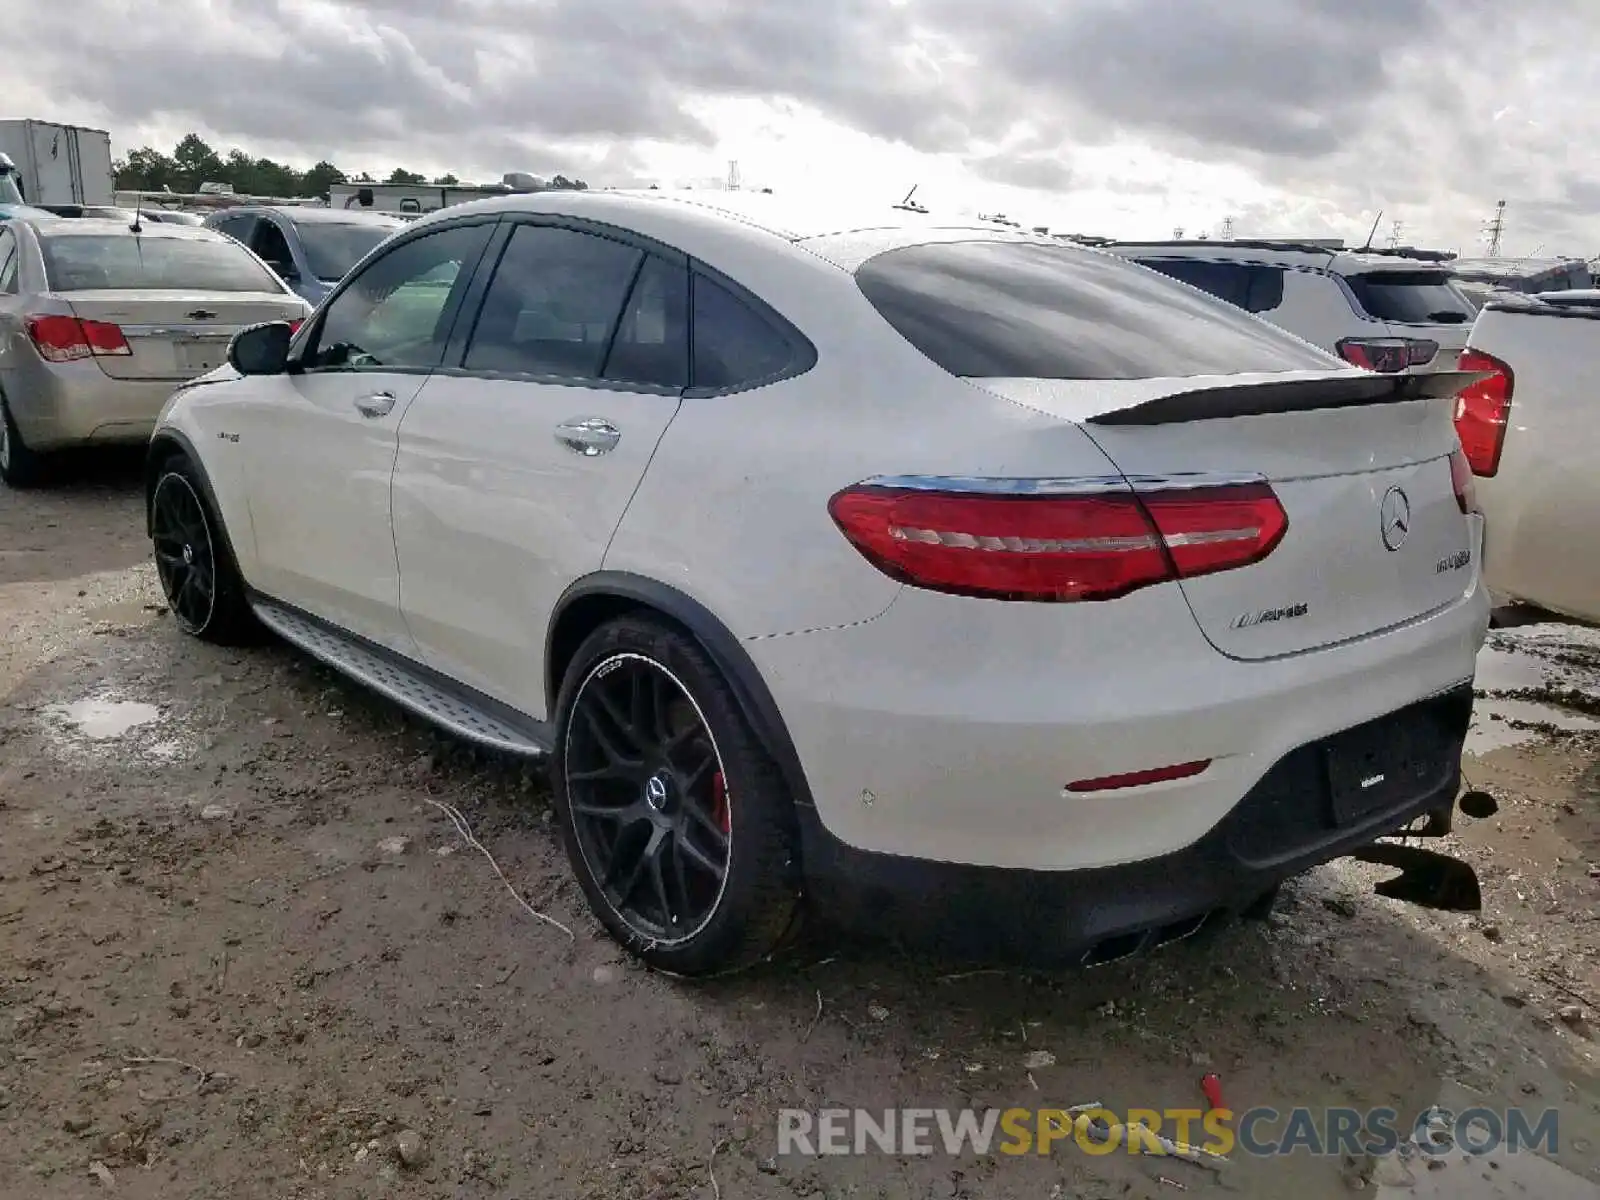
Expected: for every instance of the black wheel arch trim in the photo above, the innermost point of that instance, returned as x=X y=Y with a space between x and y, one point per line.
x=749 y=689
x=161 y=445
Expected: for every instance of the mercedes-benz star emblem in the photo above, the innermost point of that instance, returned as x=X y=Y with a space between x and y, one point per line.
x=1394 y=518
x=655 y=792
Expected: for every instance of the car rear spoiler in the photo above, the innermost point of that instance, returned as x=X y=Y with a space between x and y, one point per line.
x=1288 y=396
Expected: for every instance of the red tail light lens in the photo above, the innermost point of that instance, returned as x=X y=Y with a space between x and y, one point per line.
x=1461 y=480
x=976 y=538
x=64 y=339
x=1387 y=355
x=1482 y=410
x=294 y=325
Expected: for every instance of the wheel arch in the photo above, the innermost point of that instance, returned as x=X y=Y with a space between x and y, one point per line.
x=163 y=445
x=605 y=595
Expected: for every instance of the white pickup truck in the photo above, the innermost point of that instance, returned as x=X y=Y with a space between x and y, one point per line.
x=1531 y=431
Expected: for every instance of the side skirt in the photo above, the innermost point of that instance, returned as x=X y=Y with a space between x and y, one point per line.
x=448 y=704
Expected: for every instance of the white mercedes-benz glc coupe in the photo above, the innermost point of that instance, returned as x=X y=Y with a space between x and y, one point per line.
x=975 y=586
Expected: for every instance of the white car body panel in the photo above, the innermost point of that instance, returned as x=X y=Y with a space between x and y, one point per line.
x=900 y=759
x=494 y=518
x=317 y=475
x=927 y=725
x=1543 y=504
x=1331 y=474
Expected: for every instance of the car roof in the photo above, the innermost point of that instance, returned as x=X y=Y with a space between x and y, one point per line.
x=103 y=226
x=312 y=214
x=793 y=219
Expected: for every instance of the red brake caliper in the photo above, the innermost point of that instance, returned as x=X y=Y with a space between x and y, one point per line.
x=719 y=803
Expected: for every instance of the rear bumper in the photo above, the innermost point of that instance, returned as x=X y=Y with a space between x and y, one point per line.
x=1284 y=825
x=950 y=729
x=66 y=404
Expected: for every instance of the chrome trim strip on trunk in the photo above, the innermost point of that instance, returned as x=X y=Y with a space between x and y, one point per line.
x=1075 y=485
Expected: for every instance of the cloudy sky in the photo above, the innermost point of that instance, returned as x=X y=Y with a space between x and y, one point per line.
x=1124 y=117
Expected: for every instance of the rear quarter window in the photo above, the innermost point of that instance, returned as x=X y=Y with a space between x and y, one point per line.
x=995 y=309
x=739 y=343
x=1411 y=297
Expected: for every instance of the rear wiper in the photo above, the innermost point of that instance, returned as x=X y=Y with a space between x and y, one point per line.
x=1448 y=317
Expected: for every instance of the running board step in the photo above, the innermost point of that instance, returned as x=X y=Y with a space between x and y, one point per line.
x=409 y=685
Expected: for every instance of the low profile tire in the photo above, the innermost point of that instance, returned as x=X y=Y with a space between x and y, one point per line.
x=677 y=823
x=198 y=575
x=20 y=467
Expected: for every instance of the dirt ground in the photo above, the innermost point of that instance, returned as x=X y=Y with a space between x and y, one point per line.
x=240 y=953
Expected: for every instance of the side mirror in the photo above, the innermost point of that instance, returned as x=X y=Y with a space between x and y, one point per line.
x=261 y=349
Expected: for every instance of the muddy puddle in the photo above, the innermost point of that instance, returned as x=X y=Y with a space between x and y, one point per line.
x=1536 y=680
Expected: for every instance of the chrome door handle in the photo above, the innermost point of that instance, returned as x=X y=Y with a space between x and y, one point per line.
x=378 y=404
x=588 y=436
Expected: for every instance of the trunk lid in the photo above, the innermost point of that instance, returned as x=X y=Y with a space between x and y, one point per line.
x=177 y=335
x=1347 y=453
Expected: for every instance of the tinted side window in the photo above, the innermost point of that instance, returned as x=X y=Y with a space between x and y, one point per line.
x=1225 y=281
x=1023 y=309
x=652 y=342
x=1263 y=289
x=397 y=312
x=1249 y=286
x=272 y=247
x=8 y=262
x=553 y=304
x=735 y=346
x=238 y=228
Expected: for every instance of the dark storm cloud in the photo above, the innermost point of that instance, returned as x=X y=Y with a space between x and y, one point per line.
x=1269 y=76
x=1362 y=103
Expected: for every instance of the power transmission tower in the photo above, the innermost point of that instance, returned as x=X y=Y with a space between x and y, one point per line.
x=1177 y=234
x=733 y=175
x=1227 y=229
x=1394 y=235
x=1495 y=229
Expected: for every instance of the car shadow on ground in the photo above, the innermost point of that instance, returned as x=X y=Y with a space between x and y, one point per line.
x=87 y=516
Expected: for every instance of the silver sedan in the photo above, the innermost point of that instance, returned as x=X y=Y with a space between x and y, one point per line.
x=100 y=321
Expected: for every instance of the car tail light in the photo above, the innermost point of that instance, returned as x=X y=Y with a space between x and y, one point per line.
x=1388 y=355
x=1482 y=409
x=294 y=325
x=976 y=538
x=64 y=339
x=1461 y=480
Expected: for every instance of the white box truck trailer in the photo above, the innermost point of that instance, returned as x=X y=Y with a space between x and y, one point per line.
x=58 y=164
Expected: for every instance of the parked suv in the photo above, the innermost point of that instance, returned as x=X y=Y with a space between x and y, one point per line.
x=1374 y=309
x=309 y=248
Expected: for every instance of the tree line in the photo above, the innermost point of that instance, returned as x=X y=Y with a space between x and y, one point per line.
x=194 y=162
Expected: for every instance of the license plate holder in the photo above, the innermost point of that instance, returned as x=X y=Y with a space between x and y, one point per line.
x=200 y=356
x=1374 y=768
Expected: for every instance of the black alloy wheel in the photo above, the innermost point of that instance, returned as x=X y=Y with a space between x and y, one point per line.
x=186 y=558
x=648 y=798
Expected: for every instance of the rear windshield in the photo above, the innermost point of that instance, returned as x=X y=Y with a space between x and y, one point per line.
x=993 y=309
x=91 y=262
x=1411 y=297
x=331 y=249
